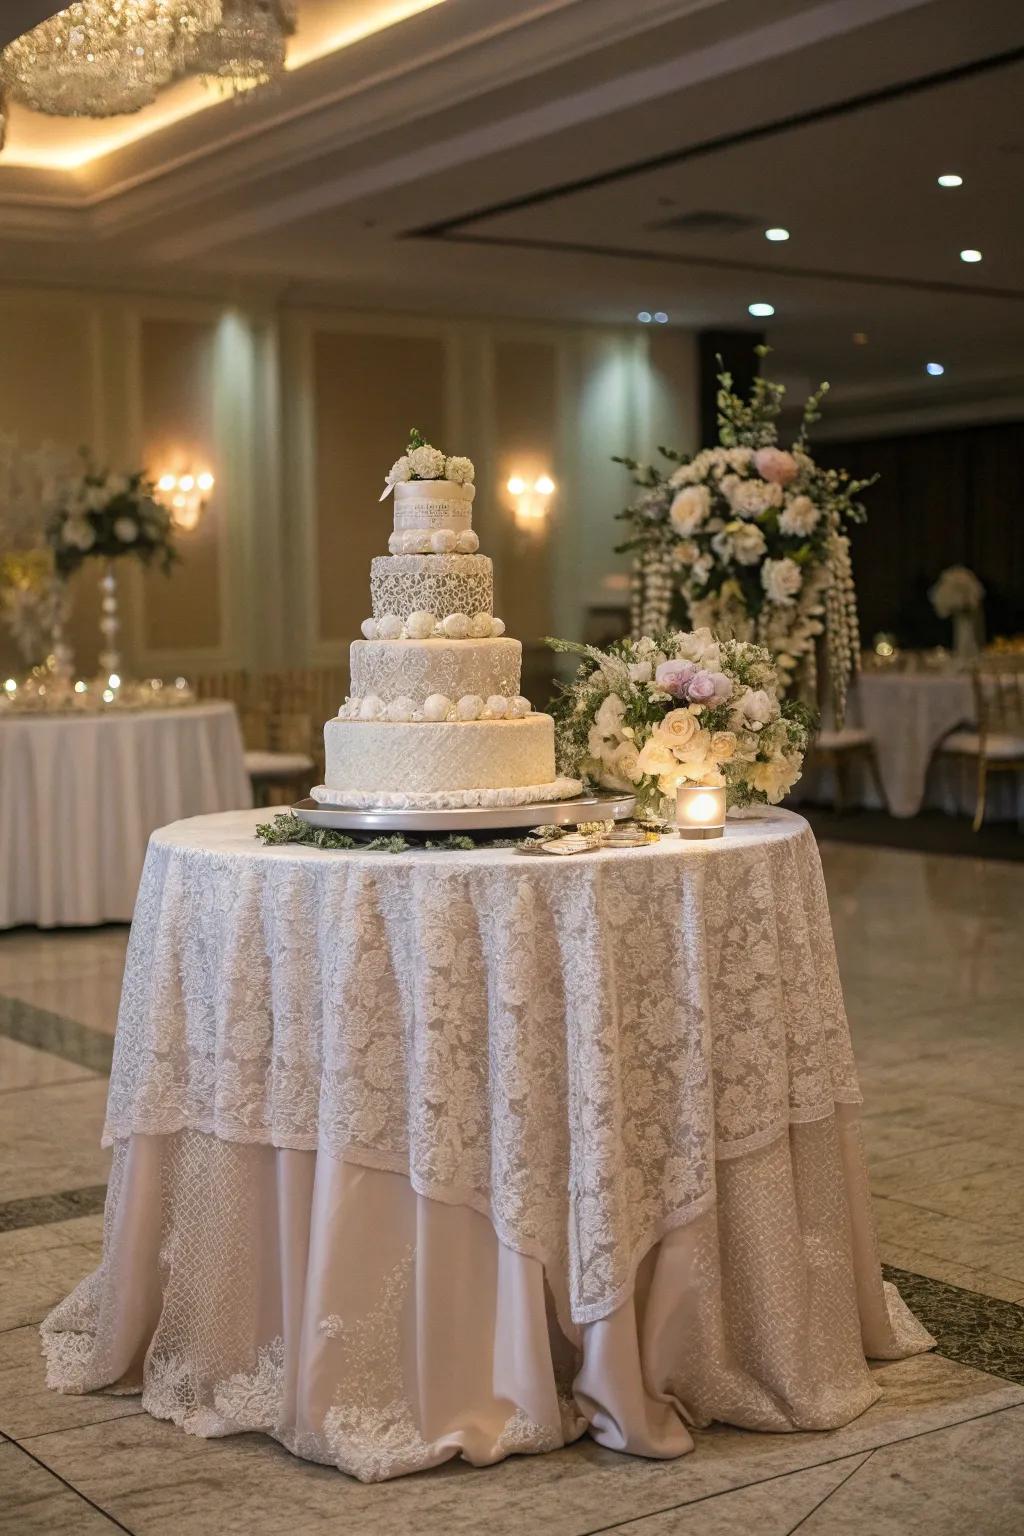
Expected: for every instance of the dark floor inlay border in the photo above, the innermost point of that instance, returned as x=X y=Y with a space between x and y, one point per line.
x=969 y=1328
x=46 y=1031
x=42 y=1210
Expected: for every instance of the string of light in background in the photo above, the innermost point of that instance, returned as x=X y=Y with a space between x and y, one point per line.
x=105 y=58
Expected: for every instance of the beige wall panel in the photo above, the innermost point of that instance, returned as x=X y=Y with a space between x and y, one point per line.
x=526 y=427
x=369 y=389
x=182 y=612
x=47 y=394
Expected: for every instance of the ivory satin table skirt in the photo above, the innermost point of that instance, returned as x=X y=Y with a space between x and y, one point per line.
x=440 y=1154
x=80 y=795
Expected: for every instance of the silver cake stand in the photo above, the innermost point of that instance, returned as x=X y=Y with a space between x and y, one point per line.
x=550 y=813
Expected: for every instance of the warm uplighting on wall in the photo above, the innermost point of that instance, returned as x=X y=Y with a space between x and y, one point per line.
x=530 y=499
x=185 y=497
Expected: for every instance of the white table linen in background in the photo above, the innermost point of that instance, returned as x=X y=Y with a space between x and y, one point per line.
x=908 y=714
x=80 y=795
x=468 y=1152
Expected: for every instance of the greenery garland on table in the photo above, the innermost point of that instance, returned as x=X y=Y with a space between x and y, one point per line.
x=286 y=828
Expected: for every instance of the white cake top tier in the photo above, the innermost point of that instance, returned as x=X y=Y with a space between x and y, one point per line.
x=433 y=504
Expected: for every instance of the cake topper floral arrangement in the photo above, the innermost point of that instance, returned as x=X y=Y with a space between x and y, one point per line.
x=749 y=539
x=647 y=715
x=422 y=461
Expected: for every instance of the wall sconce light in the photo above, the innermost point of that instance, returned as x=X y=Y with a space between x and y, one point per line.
x=530 y=499
x=185 y=497
x=700 y=810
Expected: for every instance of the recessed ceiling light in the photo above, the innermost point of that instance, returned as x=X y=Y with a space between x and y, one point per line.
x=951 y=180
x=860 y=338
x=935 y=369
x=759 y=310
x=970 y=255
x=776 y=233
x=645 y=317
x=661 y=317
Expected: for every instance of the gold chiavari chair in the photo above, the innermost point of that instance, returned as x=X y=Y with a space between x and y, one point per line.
x=998 y=742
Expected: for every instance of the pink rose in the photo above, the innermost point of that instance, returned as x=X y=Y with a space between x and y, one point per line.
x=776 y=465
x=723 y=688
x=700 y=688
x=674 y=676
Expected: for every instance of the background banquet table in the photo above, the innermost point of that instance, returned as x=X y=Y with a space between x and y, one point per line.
x=908 y=714
x=80 y=795
x=445 y=1153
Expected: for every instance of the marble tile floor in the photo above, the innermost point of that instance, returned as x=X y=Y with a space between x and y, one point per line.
x=933 y=968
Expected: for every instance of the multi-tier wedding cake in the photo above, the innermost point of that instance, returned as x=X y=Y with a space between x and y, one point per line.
x=435 y=718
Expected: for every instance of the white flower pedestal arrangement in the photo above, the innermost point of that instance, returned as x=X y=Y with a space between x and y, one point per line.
x=959 y=595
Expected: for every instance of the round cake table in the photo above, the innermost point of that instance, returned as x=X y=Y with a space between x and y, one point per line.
x=438 y=1154
x=81 y=793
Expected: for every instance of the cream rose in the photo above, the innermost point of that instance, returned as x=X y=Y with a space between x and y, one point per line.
x=781 y=579
x=689 y=509
x=678 y=728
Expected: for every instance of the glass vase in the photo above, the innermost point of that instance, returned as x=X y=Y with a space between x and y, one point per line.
x=110 y=623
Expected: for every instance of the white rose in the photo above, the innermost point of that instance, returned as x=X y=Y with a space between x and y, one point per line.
x=466 y=542
x=678 y=728
x=459 y=470
x=626 y=762
x=744 y=542
x=126 y=529
x=420 y=625
x=389 y=627
x=470 y=707
x=480 y=626
x=401 y=709
x=776 y=777
x=656 y=757
x=781 y=579
x=443 y=541
x=372 y=708
x=609 y=717
x=497 y=706
x=698 y=645
x=689 y=509
x=754 y=709
x=749 y=498
x=456 y=626
x=436 y=707
x=800 y=517
x=400 y=471
x=427 y=463
x=519 y=707
x=369 y=629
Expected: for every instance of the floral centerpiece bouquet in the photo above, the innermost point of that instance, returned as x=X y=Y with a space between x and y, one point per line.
x=958 y=595
x=680 y=707
x=422 y=461
x=747 y=538
x=108 y=515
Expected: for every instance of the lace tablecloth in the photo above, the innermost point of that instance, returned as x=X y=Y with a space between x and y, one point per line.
x=80 y=795
x=607 y=1069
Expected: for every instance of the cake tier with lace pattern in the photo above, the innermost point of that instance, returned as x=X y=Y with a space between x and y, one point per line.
x=383 y=758
x=437 y=584
x=415 y=669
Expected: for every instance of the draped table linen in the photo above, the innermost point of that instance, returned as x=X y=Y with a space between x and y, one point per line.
x=446 y=1153
x=80 y=795
x=908 y=714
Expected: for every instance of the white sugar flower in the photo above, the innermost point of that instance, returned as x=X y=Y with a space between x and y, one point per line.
x=427 y=463
x=369 y=629
x=781 y=579
x=436 y=707
x=389 y=627
x=470 y=707
x=800 y=517
x=420 y=625
x=480 y=626
x=456 y=626
x=400 y=471
x=459 y=470
x=520 y=707
x=372 y=708
x=443 y=541
x=497 y=706
x=466 y=542
x=689 y=509
x=401 y=709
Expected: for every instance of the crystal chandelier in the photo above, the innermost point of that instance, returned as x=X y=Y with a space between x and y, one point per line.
x=248 y=48
x=102 y=58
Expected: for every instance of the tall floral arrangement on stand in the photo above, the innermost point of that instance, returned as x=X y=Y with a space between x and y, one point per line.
x=109 y=516
x=749 y=539
x=33 y=600
x=647 y=715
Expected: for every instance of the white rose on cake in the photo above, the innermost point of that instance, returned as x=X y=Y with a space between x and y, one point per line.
x=427 y=463
x=459 y=470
